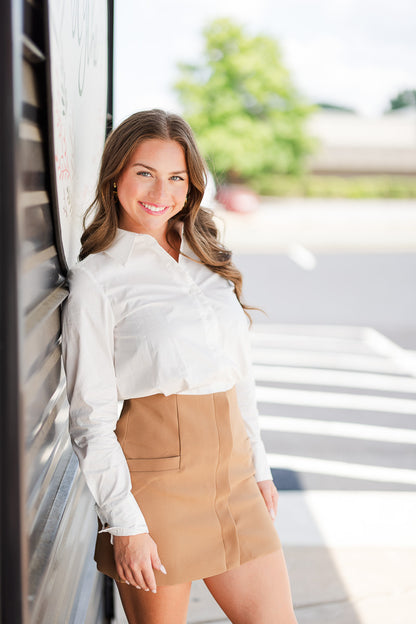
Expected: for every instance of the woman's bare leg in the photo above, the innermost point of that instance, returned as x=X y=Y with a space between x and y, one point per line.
x=256 y=592
x=168 y=606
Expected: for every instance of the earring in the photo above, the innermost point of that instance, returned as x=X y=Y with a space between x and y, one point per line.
x=114 y=190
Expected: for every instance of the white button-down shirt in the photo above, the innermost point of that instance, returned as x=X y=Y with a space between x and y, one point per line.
x=138 y=323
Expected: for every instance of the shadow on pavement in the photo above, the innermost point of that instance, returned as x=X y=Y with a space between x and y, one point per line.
x=319 y=594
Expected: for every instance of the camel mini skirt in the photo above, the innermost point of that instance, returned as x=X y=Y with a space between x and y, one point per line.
x=192 y=475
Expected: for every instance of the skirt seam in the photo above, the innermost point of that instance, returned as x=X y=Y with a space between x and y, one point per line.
x=216 y=480
x=178 y=422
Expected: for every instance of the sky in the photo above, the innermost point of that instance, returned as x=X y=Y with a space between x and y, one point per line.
x=356 y=53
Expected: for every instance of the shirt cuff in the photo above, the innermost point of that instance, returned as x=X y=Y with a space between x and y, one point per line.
x=139 y=528
x=123 y=519
x=123 y=531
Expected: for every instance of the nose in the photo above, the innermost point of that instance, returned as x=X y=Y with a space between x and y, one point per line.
x=159 y=190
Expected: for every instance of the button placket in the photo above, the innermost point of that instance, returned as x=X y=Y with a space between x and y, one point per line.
x=205 y=310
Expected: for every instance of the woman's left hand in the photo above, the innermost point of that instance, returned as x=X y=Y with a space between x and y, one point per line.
x=270 y=495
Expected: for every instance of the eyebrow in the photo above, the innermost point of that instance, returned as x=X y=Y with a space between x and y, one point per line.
x=152 y=169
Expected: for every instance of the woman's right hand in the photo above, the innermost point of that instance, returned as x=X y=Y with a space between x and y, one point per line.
x=135 y=557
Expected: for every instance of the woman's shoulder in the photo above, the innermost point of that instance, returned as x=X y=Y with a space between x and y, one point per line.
x=90 y=274
x=92 y=265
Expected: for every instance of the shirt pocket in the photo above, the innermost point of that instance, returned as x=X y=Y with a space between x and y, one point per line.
x=149 y=433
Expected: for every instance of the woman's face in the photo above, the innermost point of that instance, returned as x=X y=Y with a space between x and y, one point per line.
x=153 y=186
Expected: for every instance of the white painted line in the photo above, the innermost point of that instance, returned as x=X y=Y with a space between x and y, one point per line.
x=324 y=360
x=302 y=257
x=364 y=472
x=346 y=519
x=318 y=343
x=380 y=343
x=335 y=331
x=383 y=345
x=283 y=396
x=338 y=429
x=334 y=378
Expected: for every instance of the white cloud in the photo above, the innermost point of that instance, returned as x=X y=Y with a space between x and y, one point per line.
x=325 y=71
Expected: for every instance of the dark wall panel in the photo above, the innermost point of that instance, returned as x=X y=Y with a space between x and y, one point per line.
x=62 y=583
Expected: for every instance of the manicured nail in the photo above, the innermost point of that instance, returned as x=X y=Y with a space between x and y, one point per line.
x=153 y=591
x=272 y=513
x=138 y=587
x=146 y=589
x=127 y=583
x=163 y=569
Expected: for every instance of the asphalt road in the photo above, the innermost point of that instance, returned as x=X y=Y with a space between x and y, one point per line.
x=373 y=289
x=321 y=365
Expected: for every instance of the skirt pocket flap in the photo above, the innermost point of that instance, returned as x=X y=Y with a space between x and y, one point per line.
x=153 y=464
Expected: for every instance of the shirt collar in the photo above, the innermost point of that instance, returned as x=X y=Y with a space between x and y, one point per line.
x=125 y=240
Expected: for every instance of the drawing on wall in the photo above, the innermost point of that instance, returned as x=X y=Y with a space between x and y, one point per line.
x=78 y=46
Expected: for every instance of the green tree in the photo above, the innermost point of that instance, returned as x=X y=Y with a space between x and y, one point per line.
x=336 y=108
x=403 y=99
x=243 y=106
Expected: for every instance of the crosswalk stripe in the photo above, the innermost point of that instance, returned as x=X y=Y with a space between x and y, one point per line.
x=342 y=469
x=321 y=343
x=335 y=400
x=338 y=429
x=317 y=359
x=348 y=359
x=345 y=518
x=334 y=378
x=351 y=332
x=384 y=346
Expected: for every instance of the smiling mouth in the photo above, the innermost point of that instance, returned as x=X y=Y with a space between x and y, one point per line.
x=152 y=209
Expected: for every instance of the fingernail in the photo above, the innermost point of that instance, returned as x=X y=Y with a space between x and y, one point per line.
x=138 y=587
x=163 y=569
x=146 y=589
x=153 y=591
x=273 y=515
x=127 y=583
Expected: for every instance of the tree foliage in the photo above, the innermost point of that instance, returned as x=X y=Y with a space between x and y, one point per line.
x=336 y=108
x=403 y=99
x=243 y=106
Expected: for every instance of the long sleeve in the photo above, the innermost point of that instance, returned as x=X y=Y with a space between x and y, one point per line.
x=88 y=355
x=246 y=397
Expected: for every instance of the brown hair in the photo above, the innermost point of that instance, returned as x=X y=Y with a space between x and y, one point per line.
x=199 y=227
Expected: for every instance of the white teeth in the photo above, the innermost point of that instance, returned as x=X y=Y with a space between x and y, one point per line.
x=153 y=208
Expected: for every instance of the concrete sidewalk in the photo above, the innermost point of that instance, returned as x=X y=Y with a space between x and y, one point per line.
x=351 y=558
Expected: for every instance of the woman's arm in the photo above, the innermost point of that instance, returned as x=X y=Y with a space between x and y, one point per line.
x=246 y=397
x=88 y=355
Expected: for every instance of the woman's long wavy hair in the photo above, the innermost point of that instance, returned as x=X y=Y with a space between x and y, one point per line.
x=199 y=227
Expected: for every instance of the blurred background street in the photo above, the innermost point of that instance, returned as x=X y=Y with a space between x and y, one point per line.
x=332 y=261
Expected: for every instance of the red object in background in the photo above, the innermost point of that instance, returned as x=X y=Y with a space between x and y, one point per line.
x=238 y=198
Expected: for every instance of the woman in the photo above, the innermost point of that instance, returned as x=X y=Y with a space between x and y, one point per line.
x=154 y=318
